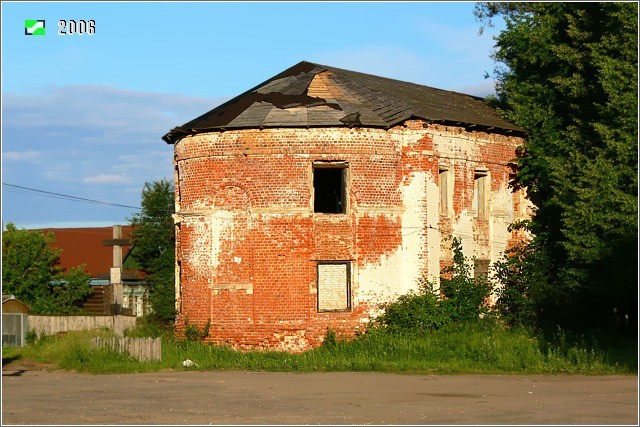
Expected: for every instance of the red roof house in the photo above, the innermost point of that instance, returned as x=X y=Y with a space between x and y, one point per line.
x=94 y=247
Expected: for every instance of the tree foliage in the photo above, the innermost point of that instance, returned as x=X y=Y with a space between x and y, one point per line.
x=518 y=281
x=569 y=72
x=30 y=271
x=465 y=297
x=154 y=241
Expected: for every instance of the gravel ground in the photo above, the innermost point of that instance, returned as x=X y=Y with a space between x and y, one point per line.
x=34 y=396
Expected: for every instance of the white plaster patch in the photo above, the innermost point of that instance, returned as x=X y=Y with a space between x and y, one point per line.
x=197 y=256
x=398 y=273
x=434 y=236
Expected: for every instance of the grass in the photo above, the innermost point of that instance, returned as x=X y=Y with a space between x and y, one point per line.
x=454 y=350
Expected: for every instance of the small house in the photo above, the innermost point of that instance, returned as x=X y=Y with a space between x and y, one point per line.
x=14 y=321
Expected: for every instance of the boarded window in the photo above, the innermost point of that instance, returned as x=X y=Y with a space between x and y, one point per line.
x=334 y=286
x=480 y=268
x=443 y=183
x=480 y=199
x=330 y=187
x=518 y=200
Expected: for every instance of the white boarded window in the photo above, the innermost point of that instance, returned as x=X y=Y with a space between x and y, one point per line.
x=334 y=292
x=480 y=194
x=445 y=188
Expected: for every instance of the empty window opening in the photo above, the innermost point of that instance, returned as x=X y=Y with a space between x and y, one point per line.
x=329 y=189
x=443 y=182
x=480 y=200
x=334 y=286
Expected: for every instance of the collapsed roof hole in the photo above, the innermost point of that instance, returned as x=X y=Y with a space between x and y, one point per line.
x=329 y=188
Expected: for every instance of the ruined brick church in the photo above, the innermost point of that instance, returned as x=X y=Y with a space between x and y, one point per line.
x=309 y=200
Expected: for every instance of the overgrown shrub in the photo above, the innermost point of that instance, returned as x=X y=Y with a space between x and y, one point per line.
x=194 y=333
x=462 y=298
x=415 y=311
x=330 y=339
x=515 y=275
x=31 y=337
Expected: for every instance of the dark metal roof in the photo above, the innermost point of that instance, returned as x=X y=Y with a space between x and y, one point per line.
x=313 y=95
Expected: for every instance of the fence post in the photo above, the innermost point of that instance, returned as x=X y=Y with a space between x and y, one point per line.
x=24 y=317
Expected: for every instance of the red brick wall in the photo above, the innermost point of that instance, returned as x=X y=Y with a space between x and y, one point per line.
x=249 y=242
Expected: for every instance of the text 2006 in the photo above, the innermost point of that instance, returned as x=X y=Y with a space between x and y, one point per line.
x=69 y=27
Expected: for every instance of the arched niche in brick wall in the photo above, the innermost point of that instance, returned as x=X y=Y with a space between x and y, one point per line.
x=233 y=261
x=232 y=198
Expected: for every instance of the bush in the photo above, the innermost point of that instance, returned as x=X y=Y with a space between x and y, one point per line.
x=514 y=303
x=462 y=299
x=31 y=337
x=330 y=339
x=415 y=311
x=194 y=333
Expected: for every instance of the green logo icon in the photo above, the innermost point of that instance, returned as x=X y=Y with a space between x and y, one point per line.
x=34 y=27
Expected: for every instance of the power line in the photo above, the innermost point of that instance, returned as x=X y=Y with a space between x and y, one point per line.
x=67 y=197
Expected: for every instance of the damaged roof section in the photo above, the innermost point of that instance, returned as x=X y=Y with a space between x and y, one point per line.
x=313 y=95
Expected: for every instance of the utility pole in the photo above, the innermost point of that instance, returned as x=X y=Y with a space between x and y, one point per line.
x=116 y=271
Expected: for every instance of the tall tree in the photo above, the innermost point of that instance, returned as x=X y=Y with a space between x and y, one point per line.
x=154 y=245
x=30 y=271
x=569 y=73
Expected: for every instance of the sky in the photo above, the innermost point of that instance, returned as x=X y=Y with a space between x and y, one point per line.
x=83 y=114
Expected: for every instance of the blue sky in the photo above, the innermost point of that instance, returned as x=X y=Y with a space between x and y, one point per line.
x=83 y=115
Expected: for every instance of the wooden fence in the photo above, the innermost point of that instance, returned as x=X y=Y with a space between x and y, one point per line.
x=143 y=349
x=51 y=325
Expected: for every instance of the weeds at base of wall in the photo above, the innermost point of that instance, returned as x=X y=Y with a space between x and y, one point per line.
x=194 y=333
x=472 y=349
x=330 y=339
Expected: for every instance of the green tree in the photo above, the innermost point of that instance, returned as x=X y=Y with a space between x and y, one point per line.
x=30 y=271
x=71 y=292
x=154 y=242
x=569 y=72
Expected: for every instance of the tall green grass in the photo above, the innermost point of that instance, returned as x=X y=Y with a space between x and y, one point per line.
x=477 y=349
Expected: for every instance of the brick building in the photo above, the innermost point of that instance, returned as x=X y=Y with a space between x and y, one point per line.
x=309 y=200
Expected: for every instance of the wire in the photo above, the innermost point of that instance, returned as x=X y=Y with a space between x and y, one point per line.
x=67 y=197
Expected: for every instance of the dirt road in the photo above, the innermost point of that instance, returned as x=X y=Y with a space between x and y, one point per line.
x=39 y=397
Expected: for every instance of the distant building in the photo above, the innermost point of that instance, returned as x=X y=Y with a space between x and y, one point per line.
x=93 y=246
x=12 y=305
x=14 y=321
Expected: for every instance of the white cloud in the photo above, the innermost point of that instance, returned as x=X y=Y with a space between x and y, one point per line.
x=405 y=65
x=56 y=171
x=106 y=179
x=29 y=156
x=92 y=134
x=95 y=113
x=488 y=87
